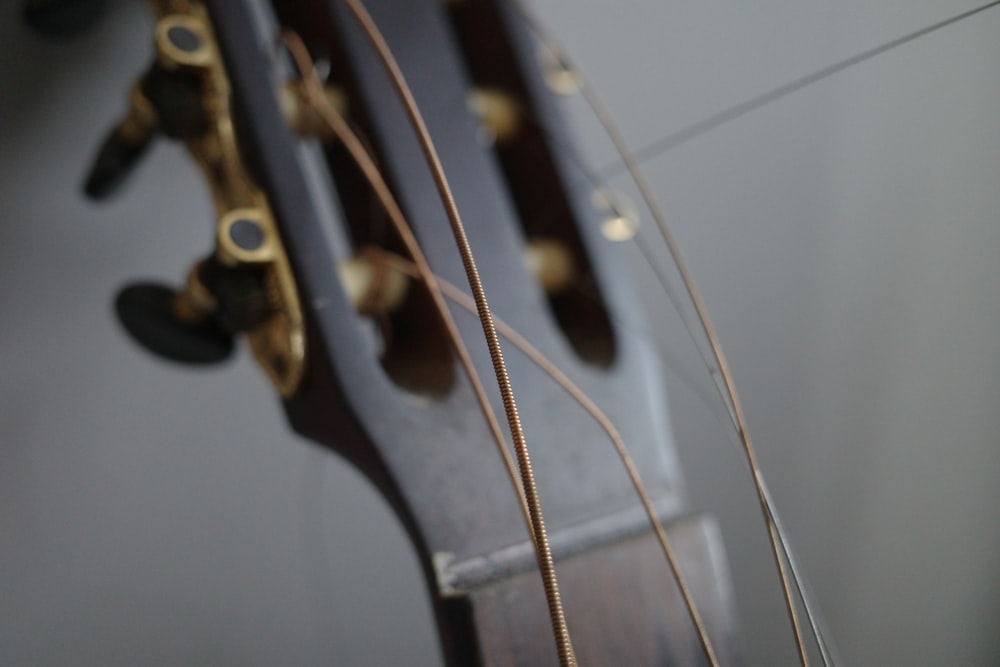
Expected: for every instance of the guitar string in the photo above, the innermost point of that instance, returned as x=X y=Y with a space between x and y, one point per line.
x=818 y=626
x=459 y=297
x=311 y=87
x=703 y=398
x=365 y=162
x=670 y=141
x=535 y=520
x=543 y=551
x=462 y=299
x=657 y=147
x=601 y=112
x=817 y=623
x=814 y=615
x=619 y=445
x=671 y=361
x=598 y=178
x=622 y=451
x=674 y=139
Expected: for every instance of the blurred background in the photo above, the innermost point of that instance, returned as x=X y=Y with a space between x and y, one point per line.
x=845 y=239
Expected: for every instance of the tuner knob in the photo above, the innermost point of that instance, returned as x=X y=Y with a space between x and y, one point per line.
x=195 y=325
x=123 y=146
x=62 y=19
x=164 y=102
x=158 y=318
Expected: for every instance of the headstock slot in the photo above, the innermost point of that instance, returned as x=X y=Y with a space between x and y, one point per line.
x=527 y=158
x=411 y=342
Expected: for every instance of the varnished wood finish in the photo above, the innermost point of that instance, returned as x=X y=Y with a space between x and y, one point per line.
x=433 y=457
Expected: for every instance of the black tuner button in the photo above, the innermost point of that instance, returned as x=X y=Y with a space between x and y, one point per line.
x=164 y=102
x=119 y=153
x=150 y=314
x=62 y=19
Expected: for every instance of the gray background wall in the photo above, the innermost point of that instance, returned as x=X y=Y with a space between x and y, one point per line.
x=845 y=240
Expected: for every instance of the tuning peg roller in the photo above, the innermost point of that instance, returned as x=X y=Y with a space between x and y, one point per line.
x=498 y=113
x=302 y=117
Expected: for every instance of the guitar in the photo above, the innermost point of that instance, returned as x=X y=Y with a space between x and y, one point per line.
x=498 y=309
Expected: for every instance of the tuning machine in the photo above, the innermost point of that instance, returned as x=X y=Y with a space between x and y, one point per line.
x=169 y=99
x=177 y=325
x=245 y=285
x=225 y=294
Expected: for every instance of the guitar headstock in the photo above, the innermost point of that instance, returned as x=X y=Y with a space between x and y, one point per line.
x=375 y=379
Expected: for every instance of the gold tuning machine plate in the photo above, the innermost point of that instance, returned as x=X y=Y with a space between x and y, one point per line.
x=247 y=238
